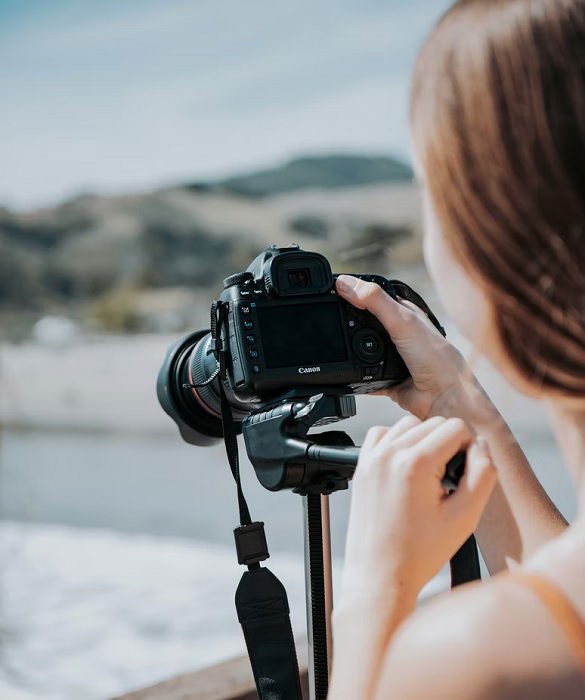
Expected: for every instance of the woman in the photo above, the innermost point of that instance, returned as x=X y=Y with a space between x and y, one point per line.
x=498 y=125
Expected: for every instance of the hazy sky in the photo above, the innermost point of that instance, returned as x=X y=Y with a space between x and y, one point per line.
x=113 y=95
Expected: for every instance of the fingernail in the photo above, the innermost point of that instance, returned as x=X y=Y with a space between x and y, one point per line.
x=346 y=283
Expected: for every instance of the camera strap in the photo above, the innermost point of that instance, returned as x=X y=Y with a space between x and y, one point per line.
x=261 y=600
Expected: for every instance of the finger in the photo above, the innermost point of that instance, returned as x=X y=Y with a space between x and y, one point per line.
x=377 y=433
x=374 y=435
x=443 y=442
x=395 y=317
x=414 y=433
x=404 y=425
x=477 y=482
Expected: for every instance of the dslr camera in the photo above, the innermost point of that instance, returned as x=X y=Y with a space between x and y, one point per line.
x=287 y=333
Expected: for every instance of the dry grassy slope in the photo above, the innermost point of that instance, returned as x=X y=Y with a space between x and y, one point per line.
x=393 y=203
x=94 y=250
x=225 y=214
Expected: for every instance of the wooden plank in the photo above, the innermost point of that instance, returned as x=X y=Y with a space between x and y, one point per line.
x=228 y=680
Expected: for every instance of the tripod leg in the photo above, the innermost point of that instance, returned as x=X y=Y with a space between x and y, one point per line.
x=318 y=588
x=327 y=574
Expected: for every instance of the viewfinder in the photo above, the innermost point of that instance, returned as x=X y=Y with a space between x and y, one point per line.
x=299 y=279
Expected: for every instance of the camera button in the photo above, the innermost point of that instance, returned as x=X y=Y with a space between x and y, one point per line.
x=248 y=324
x=256 y=369
x=253 y=354
x=251 y=339
x=369 y=373
x=369 y=344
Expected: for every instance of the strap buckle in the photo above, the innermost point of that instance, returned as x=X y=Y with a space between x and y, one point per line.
x=251 y=543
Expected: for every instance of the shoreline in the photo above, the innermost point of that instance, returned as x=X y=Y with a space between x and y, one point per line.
x=106 y=385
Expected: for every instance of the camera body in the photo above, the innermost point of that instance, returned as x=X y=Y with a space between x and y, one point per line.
x=289 y=328
x=287 y=333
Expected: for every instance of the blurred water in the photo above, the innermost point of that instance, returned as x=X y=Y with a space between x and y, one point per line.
x=93 y=613
x=154 y=485
x=128 y=575
x=136 y=583
x=162 y=486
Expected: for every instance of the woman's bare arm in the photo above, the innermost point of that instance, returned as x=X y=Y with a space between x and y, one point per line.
x=520 y=517
x=361 y=632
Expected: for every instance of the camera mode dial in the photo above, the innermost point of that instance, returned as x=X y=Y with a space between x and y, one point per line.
x=238 y=278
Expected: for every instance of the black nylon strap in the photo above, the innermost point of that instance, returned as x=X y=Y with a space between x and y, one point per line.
x=465 y=563
x=263 y=612
x=218 y=320
x=261 y=600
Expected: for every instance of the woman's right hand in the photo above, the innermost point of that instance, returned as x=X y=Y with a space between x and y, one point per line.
x=441 y=383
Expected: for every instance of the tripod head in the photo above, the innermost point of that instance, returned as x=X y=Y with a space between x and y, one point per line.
x=285 y=457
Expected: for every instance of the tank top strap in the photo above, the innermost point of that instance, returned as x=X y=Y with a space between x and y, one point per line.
x=561 y=608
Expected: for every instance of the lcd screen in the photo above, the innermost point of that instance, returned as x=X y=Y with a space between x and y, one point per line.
x=302 y=334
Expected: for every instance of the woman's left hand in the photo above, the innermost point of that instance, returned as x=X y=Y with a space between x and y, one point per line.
x=403 y=525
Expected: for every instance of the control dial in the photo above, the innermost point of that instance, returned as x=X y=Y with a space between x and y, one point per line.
x=368 y=345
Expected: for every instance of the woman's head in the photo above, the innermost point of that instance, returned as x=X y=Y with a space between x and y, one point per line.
x=498 y=125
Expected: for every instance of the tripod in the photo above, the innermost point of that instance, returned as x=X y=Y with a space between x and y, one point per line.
x=284 y=456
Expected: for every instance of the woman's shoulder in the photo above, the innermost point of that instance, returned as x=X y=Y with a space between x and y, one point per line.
x=482 y=640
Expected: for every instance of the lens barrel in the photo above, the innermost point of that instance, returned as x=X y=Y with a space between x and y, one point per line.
x=199 y=422
x=196 y=411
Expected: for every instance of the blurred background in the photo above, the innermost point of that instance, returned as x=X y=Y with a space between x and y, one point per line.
x=149 y=150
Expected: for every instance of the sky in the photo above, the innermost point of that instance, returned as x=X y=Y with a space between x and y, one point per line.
x=121 y=95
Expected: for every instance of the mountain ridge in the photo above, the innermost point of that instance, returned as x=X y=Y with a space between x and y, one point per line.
x=331 y=171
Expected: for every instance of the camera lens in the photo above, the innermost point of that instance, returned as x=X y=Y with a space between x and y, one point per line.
x=198 y=423
x=196 y=411
x=298 y=279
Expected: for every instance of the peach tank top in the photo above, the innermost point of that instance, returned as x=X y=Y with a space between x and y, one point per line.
x=561 y=608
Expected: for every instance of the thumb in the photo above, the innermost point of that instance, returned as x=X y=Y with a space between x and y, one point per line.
x=398 y=320
x=477 y=482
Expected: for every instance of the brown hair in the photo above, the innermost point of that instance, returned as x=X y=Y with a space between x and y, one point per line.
x=498 y=119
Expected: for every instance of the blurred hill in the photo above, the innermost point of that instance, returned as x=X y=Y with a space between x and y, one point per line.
x=324 y=172
x=145 y=261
